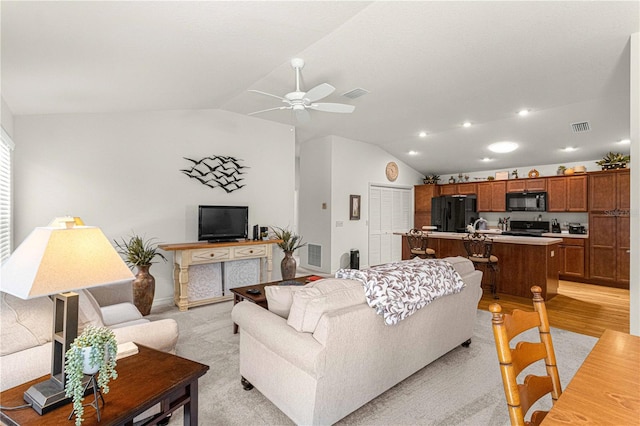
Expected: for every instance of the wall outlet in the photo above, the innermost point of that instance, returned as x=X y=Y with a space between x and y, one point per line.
x=553 y=253
x=339 y=224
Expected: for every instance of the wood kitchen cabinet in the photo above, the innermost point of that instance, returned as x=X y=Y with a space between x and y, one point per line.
x=422 y=204
x=609 y=236
x=450 y=189
x=609 y=190
x=527 y=185
x=572 y=258
x=492 y=196
x=567 y=194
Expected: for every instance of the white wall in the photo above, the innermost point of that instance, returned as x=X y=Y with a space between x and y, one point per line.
x=121 y=172
x=6 y=118
x=314 y=193
x=347 y=167
x=635 y=185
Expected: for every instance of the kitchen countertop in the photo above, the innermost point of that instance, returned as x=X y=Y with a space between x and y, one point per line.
x=564 y=234
x=508 y=239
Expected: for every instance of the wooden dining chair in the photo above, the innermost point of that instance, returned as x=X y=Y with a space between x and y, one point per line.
x=521 y=396
x=418 y=242
x=478 y=248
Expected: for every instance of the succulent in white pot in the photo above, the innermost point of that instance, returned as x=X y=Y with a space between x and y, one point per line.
x=94 y=350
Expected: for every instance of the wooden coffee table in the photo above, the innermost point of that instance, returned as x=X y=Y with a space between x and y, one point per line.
x=144 y=380
x=240 y=294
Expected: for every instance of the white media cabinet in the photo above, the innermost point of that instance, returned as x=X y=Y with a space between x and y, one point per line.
x=188 y=254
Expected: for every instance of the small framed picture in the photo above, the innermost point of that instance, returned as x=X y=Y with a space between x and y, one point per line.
x=354 y=203
x=502 y=175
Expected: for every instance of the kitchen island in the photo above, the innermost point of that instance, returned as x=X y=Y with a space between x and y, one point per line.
x=523 y=261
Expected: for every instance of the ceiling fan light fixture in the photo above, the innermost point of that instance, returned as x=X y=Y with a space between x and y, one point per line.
x=299 y=102
x=503 y=147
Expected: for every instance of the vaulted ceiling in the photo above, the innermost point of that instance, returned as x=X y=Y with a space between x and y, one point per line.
x=428 y=66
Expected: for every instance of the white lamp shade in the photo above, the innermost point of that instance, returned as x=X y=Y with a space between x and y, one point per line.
x=55 y=260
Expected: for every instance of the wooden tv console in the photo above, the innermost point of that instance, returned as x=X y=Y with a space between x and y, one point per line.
x=187 y=254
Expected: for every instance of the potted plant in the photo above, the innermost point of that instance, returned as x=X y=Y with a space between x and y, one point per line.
x=431 y=179
x=614 y=161
x=289 y=243
x=93 y=351
x=136 y=251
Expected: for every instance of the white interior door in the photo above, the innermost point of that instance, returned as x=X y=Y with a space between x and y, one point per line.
x=389 y=212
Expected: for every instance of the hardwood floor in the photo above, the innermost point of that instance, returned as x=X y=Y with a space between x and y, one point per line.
x=578 y=307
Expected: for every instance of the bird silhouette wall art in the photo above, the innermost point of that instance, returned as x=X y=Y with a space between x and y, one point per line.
x=217 y=171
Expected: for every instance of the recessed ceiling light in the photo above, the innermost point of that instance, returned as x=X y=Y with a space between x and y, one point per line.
x=487 y=159
x=422 y=134
x=523 y=112
x=466 y=124
x=569 y=149
x=413 y=152
x=503 y=147
x=625 y=141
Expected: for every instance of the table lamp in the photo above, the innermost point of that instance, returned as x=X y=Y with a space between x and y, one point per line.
x=53 y=261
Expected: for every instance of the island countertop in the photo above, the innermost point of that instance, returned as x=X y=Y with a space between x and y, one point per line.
x=497 y=238
x=522 y=261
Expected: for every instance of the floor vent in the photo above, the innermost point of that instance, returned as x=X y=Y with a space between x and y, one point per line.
x=580 y=127
x=314 y=255
x=355 y=93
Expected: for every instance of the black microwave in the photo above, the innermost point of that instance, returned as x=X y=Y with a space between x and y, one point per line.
x=527 y=201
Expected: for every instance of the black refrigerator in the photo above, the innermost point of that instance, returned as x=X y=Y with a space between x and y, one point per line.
x=452 y=213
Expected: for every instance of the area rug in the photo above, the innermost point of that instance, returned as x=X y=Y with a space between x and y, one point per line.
x=461 y=388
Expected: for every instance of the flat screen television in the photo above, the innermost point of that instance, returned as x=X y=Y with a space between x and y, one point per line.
x=222 y=223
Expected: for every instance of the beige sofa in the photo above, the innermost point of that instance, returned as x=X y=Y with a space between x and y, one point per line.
x=26 y=327
x=319 y=376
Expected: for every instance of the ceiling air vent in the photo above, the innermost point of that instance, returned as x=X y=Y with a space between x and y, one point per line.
x=355 y=93
x=580 y=127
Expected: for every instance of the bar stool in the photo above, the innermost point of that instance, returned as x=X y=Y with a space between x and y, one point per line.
x=418 y=242
x=478 y=248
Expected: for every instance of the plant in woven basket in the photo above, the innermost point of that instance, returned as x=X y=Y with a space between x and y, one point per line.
x=613 y=160
x=101 y=347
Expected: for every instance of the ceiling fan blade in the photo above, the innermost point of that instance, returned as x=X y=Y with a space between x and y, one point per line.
x=268 y=94
x=302 y=115
x=270 y=109
x=320 y=91
x=332 y=107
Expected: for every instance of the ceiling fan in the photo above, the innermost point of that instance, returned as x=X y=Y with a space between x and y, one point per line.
x=300 y=102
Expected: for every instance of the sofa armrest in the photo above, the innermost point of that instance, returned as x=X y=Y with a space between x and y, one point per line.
x=301 y=349
x=161 y=335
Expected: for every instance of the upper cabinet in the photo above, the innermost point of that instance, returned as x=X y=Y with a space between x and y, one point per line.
x=609 y=190
x=423 y=195
x=527 y=185
x=492 y=196
x=567 y=194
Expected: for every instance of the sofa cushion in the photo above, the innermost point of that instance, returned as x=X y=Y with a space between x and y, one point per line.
x=309 y=304
x=462 y=265
x=120 y=313
x=280 y=298
x=89 y=312
x=25 y=323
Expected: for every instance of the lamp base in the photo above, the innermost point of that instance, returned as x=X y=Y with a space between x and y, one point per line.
x=46 y=396
x=49 y=395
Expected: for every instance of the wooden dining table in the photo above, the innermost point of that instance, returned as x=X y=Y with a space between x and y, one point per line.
x=606 y=388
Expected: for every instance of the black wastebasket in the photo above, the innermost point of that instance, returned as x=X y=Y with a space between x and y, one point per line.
x=354 y=259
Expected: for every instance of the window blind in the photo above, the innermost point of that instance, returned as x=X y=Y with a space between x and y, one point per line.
x=6 y=151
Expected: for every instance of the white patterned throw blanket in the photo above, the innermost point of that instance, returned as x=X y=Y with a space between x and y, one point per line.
x=398 y=289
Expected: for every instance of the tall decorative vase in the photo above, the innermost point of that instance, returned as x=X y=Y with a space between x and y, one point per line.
x=144 y=288
x=288 y=266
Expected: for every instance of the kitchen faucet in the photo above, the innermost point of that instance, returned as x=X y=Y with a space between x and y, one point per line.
x=475 y=224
